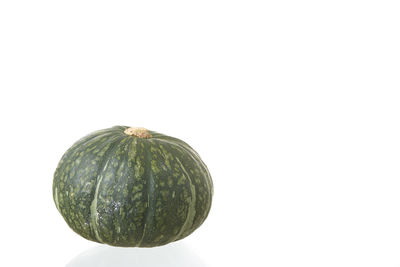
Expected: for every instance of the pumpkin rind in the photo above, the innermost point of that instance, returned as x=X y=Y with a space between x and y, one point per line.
x=127 y=191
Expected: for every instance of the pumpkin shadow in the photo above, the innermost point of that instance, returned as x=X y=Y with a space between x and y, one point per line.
x=172 y=255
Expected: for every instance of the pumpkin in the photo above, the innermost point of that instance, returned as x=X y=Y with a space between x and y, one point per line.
x=132 y=187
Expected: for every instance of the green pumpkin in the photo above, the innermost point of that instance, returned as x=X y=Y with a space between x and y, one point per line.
x=132 y=187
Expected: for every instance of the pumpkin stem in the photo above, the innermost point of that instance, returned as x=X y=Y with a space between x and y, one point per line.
x=138 y=132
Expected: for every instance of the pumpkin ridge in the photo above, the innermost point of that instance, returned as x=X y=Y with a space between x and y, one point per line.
x=124 y=164
x=111 y=223
x=102 y=166
x=56 y=198
x=192 y=152
x=137 y=188
x=180 y=145
x=131 y=163
x=196 y=157
x=150 y=193
x=200 y=163
x=192 y=205
x=74 y=156
x=78 y=144
x=167 y=156
x=191 y=186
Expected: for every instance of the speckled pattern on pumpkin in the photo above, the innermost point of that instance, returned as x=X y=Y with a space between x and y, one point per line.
x=128 y=191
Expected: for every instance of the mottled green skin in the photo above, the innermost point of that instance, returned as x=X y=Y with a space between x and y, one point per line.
x=127 y=191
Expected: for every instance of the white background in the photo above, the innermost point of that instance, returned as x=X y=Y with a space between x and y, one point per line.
x=293 y=105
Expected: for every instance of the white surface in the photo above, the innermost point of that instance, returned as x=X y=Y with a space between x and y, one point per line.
x=293 y=105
